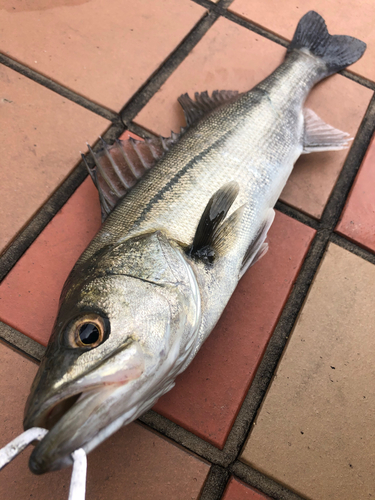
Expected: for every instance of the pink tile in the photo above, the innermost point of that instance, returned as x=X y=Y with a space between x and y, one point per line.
x=102 y=50
x=234 y=58
x=237 y=490
x=40 y=140
x=208 y=395
x=134 y=463
x=358 y=218
x=343 y=17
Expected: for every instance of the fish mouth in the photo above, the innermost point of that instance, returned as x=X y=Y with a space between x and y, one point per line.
x=56 y=412
x=79 y=410
x=65 y=422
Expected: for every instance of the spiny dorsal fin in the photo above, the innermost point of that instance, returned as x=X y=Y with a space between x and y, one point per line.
x=257 y=247
x=120 y=166
x=203 y=104
x=211 y=233
x=319 y=136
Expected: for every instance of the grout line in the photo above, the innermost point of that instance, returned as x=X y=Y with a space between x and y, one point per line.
x=156 y=80
x=215 y=483
x=21 y=342
x=185 y=438
x=349 y=245
x=296 y=214
x=50 y=208
x=59 y=89
x=262 y=482
x=340 y=192
x=139 y=130
x=223 y=4
x=274 y=350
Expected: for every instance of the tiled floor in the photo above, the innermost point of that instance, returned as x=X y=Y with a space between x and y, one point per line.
x=279 y=401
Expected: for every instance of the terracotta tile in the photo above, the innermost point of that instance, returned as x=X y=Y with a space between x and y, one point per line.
x=39 y=146
x=358 y=218
x=232 y=57
x=343 y=17
x=314 y=432
x=227 y=362
x=237 y=490
x=224 y=368
x=29 y=295
x=134 y=460
x=102 y=50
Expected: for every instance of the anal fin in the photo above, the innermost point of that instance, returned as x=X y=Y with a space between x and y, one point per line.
x=213 y=231
x=257 y=248
x=319 y=136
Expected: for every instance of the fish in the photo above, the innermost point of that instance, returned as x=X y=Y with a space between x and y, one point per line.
x=184 y=217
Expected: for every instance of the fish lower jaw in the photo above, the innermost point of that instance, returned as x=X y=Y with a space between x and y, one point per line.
x=63 y=421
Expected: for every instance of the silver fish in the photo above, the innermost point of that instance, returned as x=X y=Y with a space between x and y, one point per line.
x=148 y=290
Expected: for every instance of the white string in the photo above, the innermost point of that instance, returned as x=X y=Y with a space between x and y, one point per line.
x=77 y=489
x=18 y=444
x=78 y=482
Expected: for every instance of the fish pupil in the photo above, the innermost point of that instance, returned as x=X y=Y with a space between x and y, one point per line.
x=89 y=333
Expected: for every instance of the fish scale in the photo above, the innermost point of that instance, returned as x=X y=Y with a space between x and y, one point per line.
x=154 y=281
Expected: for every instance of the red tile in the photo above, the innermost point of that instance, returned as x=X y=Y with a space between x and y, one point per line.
x=29 y=295
x=236 y=490
x=358 y=218
x=134 y=463
x=226 y=365
x=208 y=395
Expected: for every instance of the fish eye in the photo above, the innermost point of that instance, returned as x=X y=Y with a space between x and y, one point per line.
x=87 y=331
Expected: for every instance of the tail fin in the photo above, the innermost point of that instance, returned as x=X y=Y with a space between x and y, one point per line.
x=337 y=51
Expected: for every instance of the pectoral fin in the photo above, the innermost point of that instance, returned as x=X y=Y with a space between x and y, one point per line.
x=257 y=248
x=319 y=136
x=213 y=231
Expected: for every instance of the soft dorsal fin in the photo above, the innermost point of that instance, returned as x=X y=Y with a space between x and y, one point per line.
x=203 y=104
x=319 y=136
x=120 y=166
x=257 y=248
x=212 y=232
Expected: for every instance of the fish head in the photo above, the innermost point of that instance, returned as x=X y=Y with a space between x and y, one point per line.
x=127 y=324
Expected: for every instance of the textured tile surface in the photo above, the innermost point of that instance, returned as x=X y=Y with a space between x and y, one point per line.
x=232 y=57
x=343 y=17
x=133 y=462
x=236 y=490
x=209 y=393
x=358 y=218
x=315 y=430
x=102 y=50
x=39 y=146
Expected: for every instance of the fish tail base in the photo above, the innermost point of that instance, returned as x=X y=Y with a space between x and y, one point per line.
x=337 y=51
